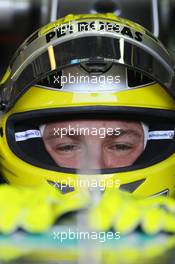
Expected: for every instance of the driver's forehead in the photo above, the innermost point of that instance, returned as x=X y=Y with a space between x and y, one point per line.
x=91 y=123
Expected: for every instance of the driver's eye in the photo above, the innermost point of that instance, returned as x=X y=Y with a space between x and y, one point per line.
x=120 y=147
x=68 y=147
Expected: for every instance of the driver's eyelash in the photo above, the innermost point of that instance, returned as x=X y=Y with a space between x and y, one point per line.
x=66 y=147
x=121 y=146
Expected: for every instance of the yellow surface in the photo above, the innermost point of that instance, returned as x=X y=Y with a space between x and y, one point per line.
x=152 y=96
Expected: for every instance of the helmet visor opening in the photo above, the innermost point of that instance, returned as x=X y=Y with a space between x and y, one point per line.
x=92 y=149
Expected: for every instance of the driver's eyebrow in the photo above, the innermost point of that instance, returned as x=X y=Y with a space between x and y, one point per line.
x=115 y=133
x=53 y=135
x=123 y=132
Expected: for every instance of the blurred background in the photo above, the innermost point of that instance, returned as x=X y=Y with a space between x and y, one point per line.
x=19 y=18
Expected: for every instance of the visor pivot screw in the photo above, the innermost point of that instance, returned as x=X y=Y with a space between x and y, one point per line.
x=2 y=106
x=1 y=131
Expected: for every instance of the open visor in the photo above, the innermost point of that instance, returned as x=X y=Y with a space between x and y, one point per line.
x=96 y=54
x=71 y=134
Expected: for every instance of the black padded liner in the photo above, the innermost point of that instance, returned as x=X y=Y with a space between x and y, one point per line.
x=34 y=147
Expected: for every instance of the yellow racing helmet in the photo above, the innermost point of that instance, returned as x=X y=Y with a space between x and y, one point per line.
x=142 y=88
